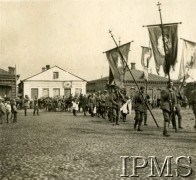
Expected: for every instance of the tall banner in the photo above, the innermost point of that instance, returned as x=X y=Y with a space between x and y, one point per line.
x=164 y=56
x=117 y=65
x=145 y=60
x=188 y=60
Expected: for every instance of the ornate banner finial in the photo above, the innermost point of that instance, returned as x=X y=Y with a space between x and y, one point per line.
x=159 y=5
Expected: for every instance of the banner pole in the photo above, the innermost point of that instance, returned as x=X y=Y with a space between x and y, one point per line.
x=124 y=61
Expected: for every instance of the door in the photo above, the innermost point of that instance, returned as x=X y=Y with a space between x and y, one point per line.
x=34 y=93
x=67 y=92
x=5 y=91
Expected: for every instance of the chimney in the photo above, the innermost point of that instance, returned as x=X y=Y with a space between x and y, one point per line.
x=43 y=69
x=11 y=70
x=47 y=67
x=132 y=65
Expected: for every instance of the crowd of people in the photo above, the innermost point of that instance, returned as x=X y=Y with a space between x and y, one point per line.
x=113 y=104
x=9 y=110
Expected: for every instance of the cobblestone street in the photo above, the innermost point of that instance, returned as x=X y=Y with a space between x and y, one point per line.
x=57 y=145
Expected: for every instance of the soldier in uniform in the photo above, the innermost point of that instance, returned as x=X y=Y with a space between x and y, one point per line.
x=26 y=104
x=147 y=98
x=110 y=105
x=36 y=106
x=193 y=102
x=139 y=107
x=98 y=107
x=85 y=104
x=92 y=104
x=179 y=99
x=103 y=103
x=168 y=103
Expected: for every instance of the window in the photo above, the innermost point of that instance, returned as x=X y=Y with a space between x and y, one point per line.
x=78 y=91
x=55 y=75
x=34 y=93
x=56 y=92
x=45 y=92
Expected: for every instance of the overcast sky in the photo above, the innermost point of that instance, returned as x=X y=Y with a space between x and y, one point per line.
x=72 y=34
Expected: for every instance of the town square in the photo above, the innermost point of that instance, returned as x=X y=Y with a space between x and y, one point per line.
x=61 y=146
x=102 y=89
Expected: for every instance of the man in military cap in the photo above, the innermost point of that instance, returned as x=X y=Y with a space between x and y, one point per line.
x=139 y=107
x=168 y=103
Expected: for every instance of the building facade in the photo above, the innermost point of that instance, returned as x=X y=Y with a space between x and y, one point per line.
x=154 y=85
x=52 y=82
x=8 y=85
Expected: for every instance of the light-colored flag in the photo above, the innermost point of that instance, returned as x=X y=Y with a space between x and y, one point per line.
x=145 y=60
x=164 y=56
x=117 y=66
x=188 y=60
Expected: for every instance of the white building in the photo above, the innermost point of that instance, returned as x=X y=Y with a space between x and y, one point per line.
x=52 y=82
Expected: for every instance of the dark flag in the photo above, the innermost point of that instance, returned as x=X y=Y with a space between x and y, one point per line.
x=145 y=60
x=117 y=65
x=166 y=58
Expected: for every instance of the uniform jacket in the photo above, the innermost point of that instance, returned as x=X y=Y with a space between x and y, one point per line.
x=168 y=99
x=139 y=102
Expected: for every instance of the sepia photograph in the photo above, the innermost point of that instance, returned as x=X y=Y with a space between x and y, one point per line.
x=97 y=89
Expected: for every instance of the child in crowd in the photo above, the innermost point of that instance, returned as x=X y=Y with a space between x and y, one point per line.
x=75 y=107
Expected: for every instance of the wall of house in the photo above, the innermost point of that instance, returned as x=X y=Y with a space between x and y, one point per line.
x=8 y=86
x=51 y=85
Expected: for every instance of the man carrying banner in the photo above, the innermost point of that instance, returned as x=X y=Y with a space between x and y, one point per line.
x=168 y=103
x=139 y=107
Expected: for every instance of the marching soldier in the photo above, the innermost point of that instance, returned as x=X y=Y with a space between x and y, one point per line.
x=146 y=109
x=92 y=104
x=110 y=105
x=168 y=103
x=36 y=107
x=139 y=106
x=98 y=107
x=103 y=99
x=193 y=103
x=179 y=99
x=26 y=104
x=85 y=104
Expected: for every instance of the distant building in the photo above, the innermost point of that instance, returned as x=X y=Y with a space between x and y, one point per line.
x=8 y=83
x=154 y=85
x=52 y=82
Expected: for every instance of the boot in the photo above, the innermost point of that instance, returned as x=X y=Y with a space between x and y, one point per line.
x=139 y=126
x=165 y=131
x=135 y=125
x=179 y=123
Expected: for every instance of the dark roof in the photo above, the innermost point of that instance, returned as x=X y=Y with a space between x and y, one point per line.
x=138 y=75
x=3 y=72
x=101 y=79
